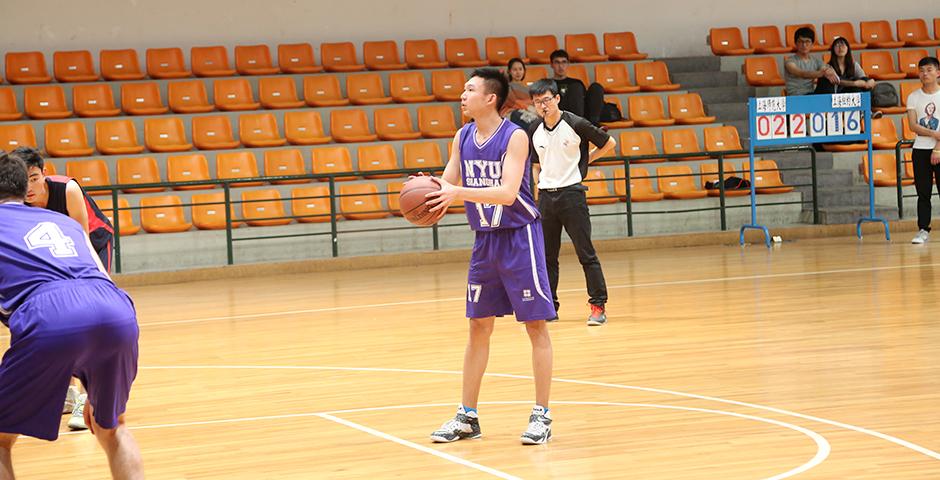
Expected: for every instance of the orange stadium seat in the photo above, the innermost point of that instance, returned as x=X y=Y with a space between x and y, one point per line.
x=166 y=63
x=681 y=141
x=240 y=164
x=582 y=47
x=165 y=135
x=120 y=65
x=880 y=66
x=621 y=46
x=598 y=193
x=878 y=35
x=142 y=99
x=463 y=53
x=208 y=211
x=653 y=77
x=423 y=155
x=579 y=72
x=89 y=173
x=832 y=31
x=74 y=66
x=423 y=54
x=641 y=187
x=534 y=73
x=394 y=124
x=913 y=33
x=311 y=204
x=163 y=214
x=234 y=95
x=762 y=72
x=382 y=56
x=907 y=88
x=339 y=57
x=189 y=96
x=677 y=183
x=499 y=50
x=366 y=89
x=728 y=41
x=278 y=92
x=447 y=85
x=282 y=163
x=188 y=168
x=538 y=48
x=125 y=224
x=722 y=139
x=767 y=177
x=26 y=67
x=8 y=109
x=12 y=136
x=117 y=137
x=264 y=208
x=259 y=130
x=254 y=60
x=332 y=161
x=791 y=30
x=305 y=128
x=361 y=202
x=94 y=100
x=436 y=121
x=378 y=157
x=884 y=135
x=138 y=170
x=213 y=132
x=614 y=77
x=350 y=126
x=709 y=173
x=687 y=109
x=323 y=91
x=408 y=87
x=906 y=129
x=67 y=139
x=46 y=102
x=210 y=62
x=907 y=61
x=639 y=143
x=647 y=111
x=766 y=39
x=393 y=190
x=297 y=58
x=885 y=170
x=622 y=123
x=908 y=165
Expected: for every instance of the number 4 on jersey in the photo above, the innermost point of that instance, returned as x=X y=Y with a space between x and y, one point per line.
x=49 y=235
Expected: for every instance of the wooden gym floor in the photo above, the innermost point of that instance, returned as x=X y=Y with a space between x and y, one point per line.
x=814 y=359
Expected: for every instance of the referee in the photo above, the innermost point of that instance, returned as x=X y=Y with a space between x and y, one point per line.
x=560 y=158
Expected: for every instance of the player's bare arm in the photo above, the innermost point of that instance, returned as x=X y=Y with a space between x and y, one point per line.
x=75 y=202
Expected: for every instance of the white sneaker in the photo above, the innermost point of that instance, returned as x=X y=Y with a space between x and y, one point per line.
x=70 y=398
x=540 y=427
x=921 y=237
x=77 y=422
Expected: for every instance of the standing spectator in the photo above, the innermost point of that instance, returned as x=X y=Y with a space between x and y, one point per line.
x=921 y=107
x=587 y=103
x=801 y=70
x=851 y=76
x=561 y=145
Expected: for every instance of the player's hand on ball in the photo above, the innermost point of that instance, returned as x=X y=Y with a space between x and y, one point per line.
x=443 y=198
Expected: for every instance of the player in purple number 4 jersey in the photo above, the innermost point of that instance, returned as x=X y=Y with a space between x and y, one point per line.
x=490 y=159
x=66 y=318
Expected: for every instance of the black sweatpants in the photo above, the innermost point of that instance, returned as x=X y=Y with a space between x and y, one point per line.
x=925 y=175
x=588 y=105
x=567 y=208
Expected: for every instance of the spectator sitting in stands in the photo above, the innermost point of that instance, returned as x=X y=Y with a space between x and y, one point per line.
x=574 y=98
x=518 y=106
x=851 y=76
x=802 y=69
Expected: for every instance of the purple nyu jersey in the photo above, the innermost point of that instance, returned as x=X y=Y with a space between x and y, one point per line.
x=482 y=166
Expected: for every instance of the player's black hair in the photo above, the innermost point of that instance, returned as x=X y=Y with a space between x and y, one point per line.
x=804 y=32
x=929 y=61
x=30 y=156
x=494 y=82
x=560 y=53
x=13 y=178
x=543 y=86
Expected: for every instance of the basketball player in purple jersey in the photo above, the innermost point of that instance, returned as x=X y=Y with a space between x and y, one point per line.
x=490 y=159
x=66 y=318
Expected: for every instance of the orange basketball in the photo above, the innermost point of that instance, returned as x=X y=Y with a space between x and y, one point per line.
x=412 y=202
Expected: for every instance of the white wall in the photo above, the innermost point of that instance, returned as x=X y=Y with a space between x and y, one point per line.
x=663 y=28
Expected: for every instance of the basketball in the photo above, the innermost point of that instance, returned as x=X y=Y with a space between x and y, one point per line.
x=411 y=200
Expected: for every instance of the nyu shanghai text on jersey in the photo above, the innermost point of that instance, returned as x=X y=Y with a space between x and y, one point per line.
x=481 y=166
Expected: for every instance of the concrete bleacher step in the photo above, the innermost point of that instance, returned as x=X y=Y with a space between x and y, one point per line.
x=850 y=215
x=727 y=112
x=843 y=196
x=825 y=179
x=726 y=94
x=693 y=80
x=693 y=64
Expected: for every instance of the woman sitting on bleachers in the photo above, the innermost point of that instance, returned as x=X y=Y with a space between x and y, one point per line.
x=851 y=76
x=518 y=106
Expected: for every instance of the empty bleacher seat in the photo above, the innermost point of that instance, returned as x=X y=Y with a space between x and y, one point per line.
x=350 y=126
x=240 y=164
x=366 y=89
x=538 y=48
x=582 y=47
x=166 y=63
x=297 y=58
x=621 y=46
x=138 y=170
x=213 y=132
x=165 y=135
x=305 y=128
x=766 y=39
x=46 y=102
x=323 y=91
x=263 y=208
x=677 y=183
x=188 y=168
x=423 y=54
x=119 y=65
x=728 y=41
x=94 y=100
x=254 y=60
x=394 y=124
x=877 y=34
x=163 y=214
x=26 y=68
x=361 y=201
x=142 y=99
x=74 y=66
x=259 y=130
x=408 y=87
x=210 y=62
x=339 y=57
x=208 y=211
x=284 y=162
x=89 y=173
x=688 y=109
x=234 y=94
x=382 y=56
x=278 y=92
x=641 y=185
x=332 y=161
x=647 y=111
x=67 y=139
x=311 y=204
x=189 y=96
x=117 y=137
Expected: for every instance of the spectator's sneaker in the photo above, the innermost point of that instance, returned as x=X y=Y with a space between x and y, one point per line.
x=921 y=237
x=463 y=425
x=540 y=427
x=70 y=399
x=77 y=422
x=598 y=315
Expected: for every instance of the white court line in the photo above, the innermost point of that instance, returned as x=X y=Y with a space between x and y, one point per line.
x=845 y=426
x=609 y=287
x=421 y=448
